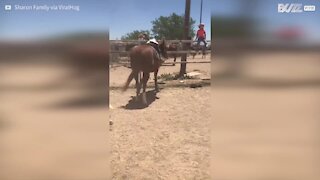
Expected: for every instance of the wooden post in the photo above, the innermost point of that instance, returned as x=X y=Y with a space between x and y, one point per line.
x=201 y=11
x=183 y=65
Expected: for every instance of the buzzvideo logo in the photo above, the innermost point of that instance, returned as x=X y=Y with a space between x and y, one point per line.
x=294 y=8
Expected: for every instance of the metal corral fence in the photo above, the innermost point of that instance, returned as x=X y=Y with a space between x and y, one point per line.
x=120 y=49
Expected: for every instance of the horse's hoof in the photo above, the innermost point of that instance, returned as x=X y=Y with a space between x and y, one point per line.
x=144 y=99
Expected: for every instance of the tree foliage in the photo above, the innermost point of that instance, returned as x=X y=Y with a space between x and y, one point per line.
x=134 y=34
x=171 y=27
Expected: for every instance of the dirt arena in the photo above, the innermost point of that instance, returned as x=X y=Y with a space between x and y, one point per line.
x=170 y=138
x=260 y=123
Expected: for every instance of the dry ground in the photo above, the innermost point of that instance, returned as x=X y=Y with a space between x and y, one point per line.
x=169 y=139
x=266 y=117
x=265 y=124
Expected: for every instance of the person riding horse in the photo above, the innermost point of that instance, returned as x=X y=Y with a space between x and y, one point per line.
x=153 y=42
x=145 y=59
x=201 y=36
x=144 y=39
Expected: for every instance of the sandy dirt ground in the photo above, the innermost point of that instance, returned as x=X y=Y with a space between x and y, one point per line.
x=46 y=132
x=263 y=123
x=266 y=117
x=265 y=134
x=260 y=123
x=170 y=138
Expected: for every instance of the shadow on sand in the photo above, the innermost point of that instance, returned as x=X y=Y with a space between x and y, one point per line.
x=133 y=104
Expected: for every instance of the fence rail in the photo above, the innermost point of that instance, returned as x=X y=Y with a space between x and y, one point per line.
x=119 y=49
x=186 y=62
x=169 y=52
x=139 y=41
x=127 y=62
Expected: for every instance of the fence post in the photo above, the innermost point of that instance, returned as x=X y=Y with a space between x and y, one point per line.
x=183 y=66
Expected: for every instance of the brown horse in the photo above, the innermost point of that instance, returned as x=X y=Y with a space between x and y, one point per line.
x=196 y=48
x=173 y=47
x=145 y=59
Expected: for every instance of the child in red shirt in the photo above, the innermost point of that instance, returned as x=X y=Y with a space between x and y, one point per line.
x=201 y=35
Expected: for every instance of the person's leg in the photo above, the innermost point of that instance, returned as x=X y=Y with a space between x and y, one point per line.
x=198 y=45
x=158 y=49
x=205 y=43
x=204 y=48
x=156 y=46
x=198 y=42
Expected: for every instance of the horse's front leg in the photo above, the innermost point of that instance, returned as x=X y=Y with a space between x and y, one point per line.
x=145 y=80
x=204 y=51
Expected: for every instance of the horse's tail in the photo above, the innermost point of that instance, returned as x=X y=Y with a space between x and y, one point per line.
x=131 y=76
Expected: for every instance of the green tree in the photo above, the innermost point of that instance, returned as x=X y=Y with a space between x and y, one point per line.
x=171 y=27
x=134 y=34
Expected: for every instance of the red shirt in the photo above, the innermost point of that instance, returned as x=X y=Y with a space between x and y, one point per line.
x=201 y=33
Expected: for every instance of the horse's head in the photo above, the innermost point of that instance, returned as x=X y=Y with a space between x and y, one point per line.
x=163 y=48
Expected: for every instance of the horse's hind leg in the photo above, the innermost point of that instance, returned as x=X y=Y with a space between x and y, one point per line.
x=156 y=80
x=138 y=84
x=145 y=80
x=204 y=52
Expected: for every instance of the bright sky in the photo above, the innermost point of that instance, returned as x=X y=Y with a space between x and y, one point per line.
x=32 y=24
x=119 y=17
x=266 y=12
x=138 y=14
x=122 y=16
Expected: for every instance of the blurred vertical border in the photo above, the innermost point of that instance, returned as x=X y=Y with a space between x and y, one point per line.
x=54 y=107
x=266 y=91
